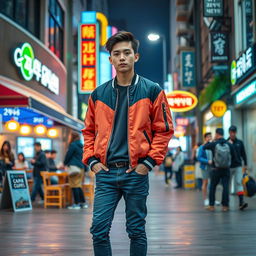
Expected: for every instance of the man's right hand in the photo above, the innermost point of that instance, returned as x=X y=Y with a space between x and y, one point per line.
x=98 y=167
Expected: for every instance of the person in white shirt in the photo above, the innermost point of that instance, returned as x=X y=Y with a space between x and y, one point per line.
x=21 y=163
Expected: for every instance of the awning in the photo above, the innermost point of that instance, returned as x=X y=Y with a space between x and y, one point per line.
x=10 y=98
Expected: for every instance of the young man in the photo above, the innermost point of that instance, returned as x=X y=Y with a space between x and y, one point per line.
x=236 y=165
x=205 y=159
x=40 y=164
x=222 y=152
x=127 y=129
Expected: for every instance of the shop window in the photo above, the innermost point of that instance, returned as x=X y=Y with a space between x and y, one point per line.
x=23 y=12
x=56 y=28
x=244 y=25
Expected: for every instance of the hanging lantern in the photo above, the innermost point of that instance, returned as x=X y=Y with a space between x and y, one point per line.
x=25 y=129
x=40 y=129
x=12 y=125
x=52 y=133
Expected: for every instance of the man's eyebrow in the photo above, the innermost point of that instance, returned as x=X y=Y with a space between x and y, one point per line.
x=127 y=49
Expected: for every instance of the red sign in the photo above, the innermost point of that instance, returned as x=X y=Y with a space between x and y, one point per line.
x=88 y=58
x=181 y=101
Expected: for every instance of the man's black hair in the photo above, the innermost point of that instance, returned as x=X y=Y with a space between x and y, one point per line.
x=53 y=151
x=220 y=131
x=122 y=36
x=207 y=134
x=232 y=128
x=37 y=144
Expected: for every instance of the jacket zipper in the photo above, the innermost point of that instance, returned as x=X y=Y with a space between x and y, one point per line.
x=147 y=138
x=113 y=124
x=128 y=103
x=165 y=117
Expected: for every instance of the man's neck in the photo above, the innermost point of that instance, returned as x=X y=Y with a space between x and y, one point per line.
x=124 y=79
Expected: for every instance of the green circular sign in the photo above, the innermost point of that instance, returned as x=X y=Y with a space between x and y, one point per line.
x=24 y=59
x=233 y=72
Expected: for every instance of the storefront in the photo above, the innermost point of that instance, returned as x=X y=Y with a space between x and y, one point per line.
x=243 y=78
x=32 y=93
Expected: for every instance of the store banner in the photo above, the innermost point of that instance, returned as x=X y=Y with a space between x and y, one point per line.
x=88 y=57
x=219 y=47
x=213 y=8
x=16 y=192
x=245 y=65
x=188 y=68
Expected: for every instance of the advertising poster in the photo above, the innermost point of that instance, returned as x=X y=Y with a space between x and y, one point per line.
x=19 y=191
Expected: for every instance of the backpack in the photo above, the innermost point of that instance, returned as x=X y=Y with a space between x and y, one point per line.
x=222 y=156
x=249 y=185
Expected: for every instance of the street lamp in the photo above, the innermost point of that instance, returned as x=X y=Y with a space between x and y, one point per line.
x=155 y=37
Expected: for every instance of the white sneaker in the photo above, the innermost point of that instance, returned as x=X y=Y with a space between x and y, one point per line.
x=84 y=206
x=74 y=207
x=217 y=202
x=206 y=202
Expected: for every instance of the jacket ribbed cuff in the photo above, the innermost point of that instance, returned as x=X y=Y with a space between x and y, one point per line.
x=92 y=161
x=149 y=162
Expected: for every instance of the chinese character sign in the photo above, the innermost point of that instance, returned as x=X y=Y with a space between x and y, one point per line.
x=219 y=47
x=88 y=58
x=213 y=8
x=188 y=68
x=243 y=66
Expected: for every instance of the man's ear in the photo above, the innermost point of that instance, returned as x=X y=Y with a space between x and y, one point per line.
x=110 y=59
x=137 y=57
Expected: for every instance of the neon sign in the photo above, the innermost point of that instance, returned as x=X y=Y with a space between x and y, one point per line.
x=246 y=92
x=30 y=67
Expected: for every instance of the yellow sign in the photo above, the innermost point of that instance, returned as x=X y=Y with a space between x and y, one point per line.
x=189 y=176
x=218 y=108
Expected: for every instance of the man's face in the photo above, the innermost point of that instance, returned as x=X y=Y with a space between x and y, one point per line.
x=208 y=138
x=232 y=135
x=53 y=155
x=123 y=57
x=37 y=148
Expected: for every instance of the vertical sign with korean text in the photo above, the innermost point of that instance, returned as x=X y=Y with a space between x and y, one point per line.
x=188 y=68
x=213 y=8
x=88 y=51
x=219 y=47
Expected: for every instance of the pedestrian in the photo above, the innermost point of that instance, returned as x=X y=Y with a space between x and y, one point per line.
x=222 y=152
x=167 y=165
x=7 y=159
x=39 y=163
x=75 y=168
x=127 y=129
x=52 y=166
x=205 y=159
x=177 y=167
x=237 y=166
x=198 y=171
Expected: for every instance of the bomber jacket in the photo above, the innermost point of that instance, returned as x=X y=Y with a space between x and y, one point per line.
x=149 y=123
x=240 y=153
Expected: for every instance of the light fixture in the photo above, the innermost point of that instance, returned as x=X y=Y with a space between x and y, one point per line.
x=153 y=37
x=25 y=129
x=12 y=125
x=40 y=129
x=52 y=132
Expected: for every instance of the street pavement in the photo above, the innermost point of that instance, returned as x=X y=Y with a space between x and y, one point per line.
x=177 y=224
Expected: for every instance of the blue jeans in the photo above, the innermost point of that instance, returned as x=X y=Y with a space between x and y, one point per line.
x=110 y=187
x=37 y=188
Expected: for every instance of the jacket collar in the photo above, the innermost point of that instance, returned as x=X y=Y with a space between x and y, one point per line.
x=135 y=80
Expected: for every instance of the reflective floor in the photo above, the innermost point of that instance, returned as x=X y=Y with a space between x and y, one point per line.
x=177 y=224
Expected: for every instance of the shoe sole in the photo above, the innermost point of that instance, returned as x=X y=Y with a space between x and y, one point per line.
x=243 y=207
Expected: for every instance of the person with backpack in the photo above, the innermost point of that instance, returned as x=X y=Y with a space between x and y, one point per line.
x=236 y=169
x=222 y=152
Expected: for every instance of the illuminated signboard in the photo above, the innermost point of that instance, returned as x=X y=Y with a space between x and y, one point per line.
x=243 y=66
x=182 y=121
x=181 y=101
x=246 y=92
x=25 y=116
x=213 y=8
x=105 y=68
x=188 y=68
x=88 y=51
x=30 y=67
x=218 y=108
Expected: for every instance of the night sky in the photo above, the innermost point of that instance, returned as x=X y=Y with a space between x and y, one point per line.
x=142 y=17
